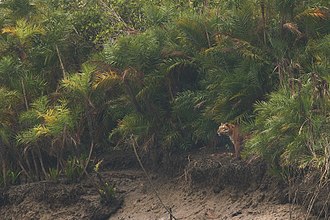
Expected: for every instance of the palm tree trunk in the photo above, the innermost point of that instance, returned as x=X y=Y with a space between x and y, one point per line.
x=59 y=153
x=24 y=171
x=263 y=11
x=28 y=165
x=41 y=162
x=130 y=93
x=206 y=5
x=4 y=171
x=35 y=165
x=89 y=118
x=24 y=95
x=3 y=163
x=57 y=161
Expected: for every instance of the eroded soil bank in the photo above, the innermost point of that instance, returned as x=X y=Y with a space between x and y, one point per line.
x=211 y=186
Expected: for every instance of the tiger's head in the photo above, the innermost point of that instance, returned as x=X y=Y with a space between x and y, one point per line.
x=225 y=129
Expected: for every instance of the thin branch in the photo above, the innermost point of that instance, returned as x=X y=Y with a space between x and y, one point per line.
x=61 y=63
x=89 y=158
x=24 y=94
x=149 y=179
x=263 y=11
x=118 y=17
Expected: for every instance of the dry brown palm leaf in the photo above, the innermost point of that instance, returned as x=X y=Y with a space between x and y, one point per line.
x=314 y=13
x=293 y=28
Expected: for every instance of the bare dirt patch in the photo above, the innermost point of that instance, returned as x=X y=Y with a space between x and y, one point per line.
x=211 y=186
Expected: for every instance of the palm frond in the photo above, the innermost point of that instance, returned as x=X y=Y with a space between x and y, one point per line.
x=23 y=30
x=196 y=31
x=105 y=80
x=133 y=52
x=158 y=15
x=44 y=120
x=8 y=98
x=132 y=124
x=289 y=126
x=8 y=101
x=249 y=51
x=79 y=83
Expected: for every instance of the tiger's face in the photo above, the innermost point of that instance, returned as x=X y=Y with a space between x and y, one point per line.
x=224 y=129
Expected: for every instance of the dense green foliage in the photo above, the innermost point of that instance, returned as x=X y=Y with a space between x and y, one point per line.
x=80 y=74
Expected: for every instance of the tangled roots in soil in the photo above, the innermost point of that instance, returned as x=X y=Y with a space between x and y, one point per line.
x=223 y=170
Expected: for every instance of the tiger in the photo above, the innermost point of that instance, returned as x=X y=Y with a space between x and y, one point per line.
x=233 y=131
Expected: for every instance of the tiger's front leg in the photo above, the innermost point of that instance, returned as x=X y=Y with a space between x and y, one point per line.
x=237 y=148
